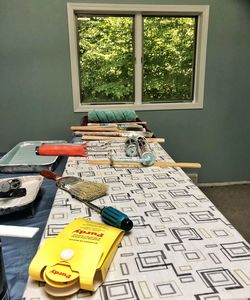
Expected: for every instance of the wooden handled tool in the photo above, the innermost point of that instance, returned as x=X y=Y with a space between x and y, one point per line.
x=119 y=139
x=93 y=128
x=162 y=164
x=118 y=123
x=87 y=191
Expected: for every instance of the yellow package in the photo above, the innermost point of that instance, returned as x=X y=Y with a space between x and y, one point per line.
x=78 y=258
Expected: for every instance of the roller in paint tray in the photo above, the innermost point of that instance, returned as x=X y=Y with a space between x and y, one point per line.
x=77 y=258
x=62 y=150
x=87 y=191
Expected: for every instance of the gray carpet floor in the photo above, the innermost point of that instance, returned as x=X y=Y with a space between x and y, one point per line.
x=233 y=201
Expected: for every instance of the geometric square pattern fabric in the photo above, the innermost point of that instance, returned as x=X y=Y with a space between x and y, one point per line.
x=181 y=247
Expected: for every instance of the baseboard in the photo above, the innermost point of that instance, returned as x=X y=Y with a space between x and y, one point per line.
x=226 y=183
x=193 y=177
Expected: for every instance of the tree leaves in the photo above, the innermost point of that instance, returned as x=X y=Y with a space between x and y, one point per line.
x=106 y=58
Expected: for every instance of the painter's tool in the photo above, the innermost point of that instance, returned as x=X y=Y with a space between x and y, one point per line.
x=94 y=128
x=86 y=191
x=147 y=160
x=10 y=184
x=119 y=139
x=145 y=152
x=11 y=188
x=131 y=147
x=79 y=257
x=126 y=124
x=62 y=150
x=14 y=193
x=116 y=124
x=76 y=149
x=136 y=164
x=112 y=116
x=97 y=146
x=107 y=129
x=137 y=146
x=125 y=134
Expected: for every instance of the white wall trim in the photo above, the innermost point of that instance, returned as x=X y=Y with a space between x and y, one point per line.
x=226 y=183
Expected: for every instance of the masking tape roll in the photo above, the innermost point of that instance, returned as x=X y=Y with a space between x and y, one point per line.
x=62 y=292
x=60 y=276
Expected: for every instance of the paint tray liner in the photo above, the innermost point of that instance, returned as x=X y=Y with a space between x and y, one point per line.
x=22 y=158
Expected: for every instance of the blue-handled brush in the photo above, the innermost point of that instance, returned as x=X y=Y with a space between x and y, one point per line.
x=86 y=191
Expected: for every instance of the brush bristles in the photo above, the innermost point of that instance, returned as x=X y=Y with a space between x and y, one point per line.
x=88 y=190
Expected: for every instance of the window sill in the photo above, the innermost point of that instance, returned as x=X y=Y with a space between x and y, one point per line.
x=139 y=107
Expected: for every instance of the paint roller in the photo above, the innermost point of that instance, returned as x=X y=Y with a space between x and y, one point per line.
x=138 y=150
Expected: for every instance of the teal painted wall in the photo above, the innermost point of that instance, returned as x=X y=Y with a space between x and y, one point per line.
x=36 y=96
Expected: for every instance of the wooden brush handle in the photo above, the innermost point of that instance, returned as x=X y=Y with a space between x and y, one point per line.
x=50 y=175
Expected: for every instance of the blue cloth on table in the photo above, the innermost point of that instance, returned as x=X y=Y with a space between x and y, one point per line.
x=18 y=252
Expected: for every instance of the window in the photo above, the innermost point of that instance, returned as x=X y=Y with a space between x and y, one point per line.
x=140 y=57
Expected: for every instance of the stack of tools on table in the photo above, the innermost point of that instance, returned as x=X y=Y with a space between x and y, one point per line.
x=112 y=125
x=143 y=150
x=78 y=258
x=139 y=153
x=113 y=132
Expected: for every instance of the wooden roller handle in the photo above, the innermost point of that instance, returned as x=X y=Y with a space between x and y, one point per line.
x=120 y=139
x=177 y=164
x=93 y=128
x=162 y=164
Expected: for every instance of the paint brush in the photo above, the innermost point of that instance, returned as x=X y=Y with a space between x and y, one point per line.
x=86 y=191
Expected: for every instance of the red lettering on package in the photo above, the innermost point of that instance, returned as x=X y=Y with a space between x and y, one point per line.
x=80 y=231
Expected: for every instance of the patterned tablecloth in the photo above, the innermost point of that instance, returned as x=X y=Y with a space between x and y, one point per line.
x=181 y=246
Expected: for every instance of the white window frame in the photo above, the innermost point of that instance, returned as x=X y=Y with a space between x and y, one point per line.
x=201 y=11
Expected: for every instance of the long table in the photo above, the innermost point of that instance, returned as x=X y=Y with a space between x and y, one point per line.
x=181 y=246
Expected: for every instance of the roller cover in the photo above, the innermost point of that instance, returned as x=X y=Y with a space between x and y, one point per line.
x=112 y=116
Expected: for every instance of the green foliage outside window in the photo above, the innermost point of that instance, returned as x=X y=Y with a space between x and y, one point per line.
x=106 y=47
x=169 y=45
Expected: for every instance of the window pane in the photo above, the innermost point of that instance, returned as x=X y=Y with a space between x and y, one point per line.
x=169 y=51
x=106 y=58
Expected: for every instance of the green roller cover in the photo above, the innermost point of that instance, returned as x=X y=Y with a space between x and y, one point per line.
x=120 y=116
x=130 y=115
x=92 y=116
x=112 y=116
